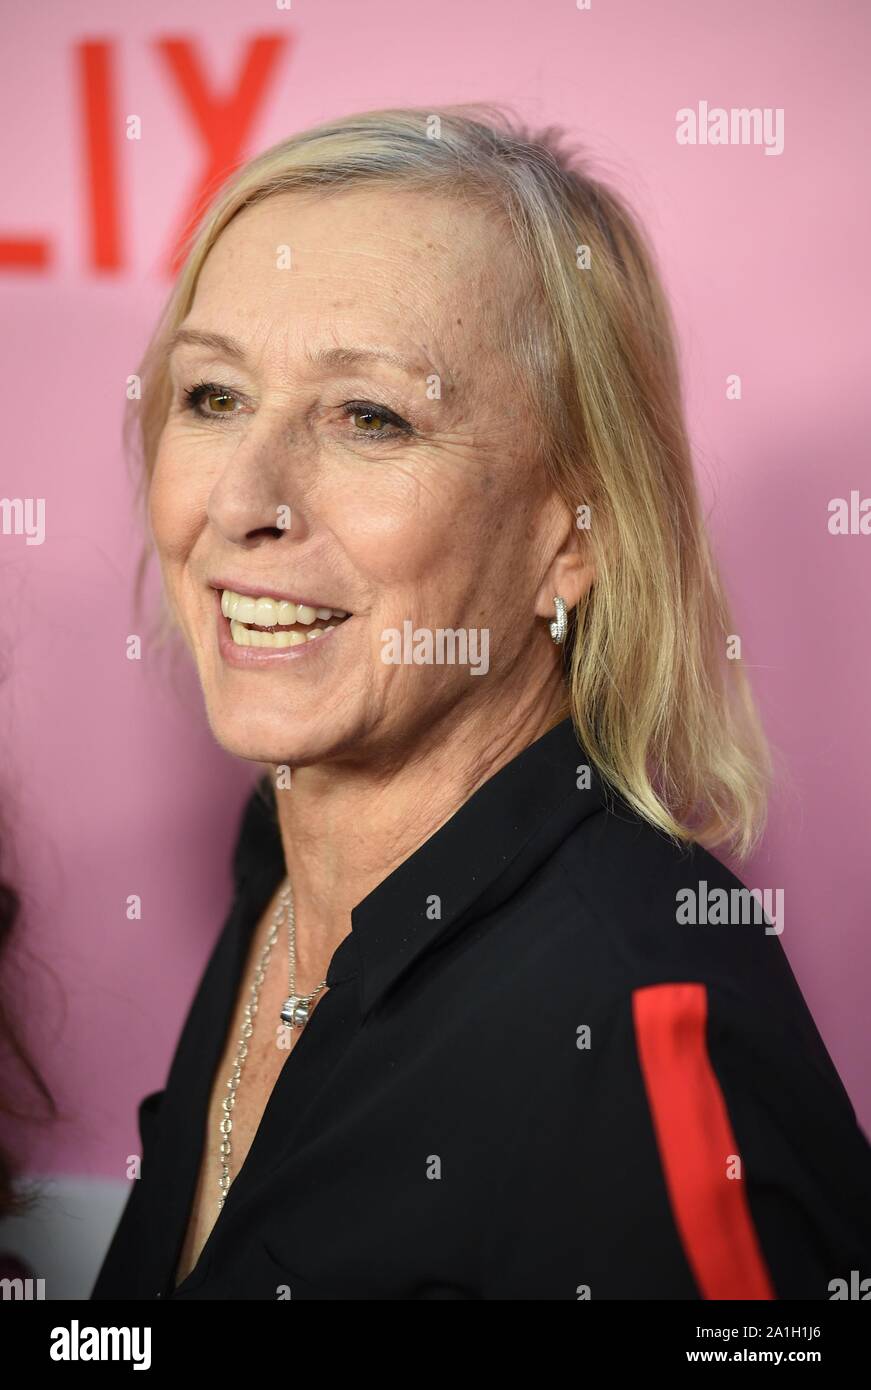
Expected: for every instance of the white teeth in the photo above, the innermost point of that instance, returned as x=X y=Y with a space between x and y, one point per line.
x=273 y=612
x=265 y=613
x=243 y=609
x=253 y=637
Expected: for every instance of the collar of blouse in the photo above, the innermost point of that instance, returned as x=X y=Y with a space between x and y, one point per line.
x=472 y=864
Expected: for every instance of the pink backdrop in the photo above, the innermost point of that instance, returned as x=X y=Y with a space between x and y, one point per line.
x=111 y=778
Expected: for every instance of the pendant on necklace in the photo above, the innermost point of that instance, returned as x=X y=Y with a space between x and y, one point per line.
x=295 y=1012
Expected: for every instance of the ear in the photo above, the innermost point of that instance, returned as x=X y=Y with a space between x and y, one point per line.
x=571 y=571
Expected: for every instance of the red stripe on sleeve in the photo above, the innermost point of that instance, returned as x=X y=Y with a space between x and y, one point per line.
x=695 y=1138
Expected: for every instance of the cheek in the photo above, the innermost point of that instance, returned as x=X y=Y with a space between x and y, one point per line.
x=173 y=509
x=409 y=540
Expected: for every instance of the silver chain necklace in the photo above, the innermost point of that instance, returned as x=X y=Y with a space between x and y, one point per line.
x=295 y=1013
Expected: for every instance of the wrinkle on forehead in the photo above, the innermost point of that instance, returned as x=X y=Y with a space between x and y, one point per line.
x=452 y=280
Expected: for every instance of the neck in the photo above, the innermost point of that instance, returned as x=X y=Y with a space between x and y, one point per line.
x=346 y=826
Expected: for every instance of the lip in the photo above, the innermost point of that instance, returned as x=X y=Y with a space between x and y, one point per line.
x=245 y=658
x=257 y=591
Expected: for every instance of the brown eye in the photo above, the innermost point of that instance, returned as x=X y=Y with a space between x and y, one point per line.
x=376 y=420
x=219 y=402
x=372 y=422
x=208 y=400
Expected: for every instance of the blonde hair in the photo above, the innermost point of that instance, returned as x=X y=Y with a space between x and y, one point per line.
x=667 y=720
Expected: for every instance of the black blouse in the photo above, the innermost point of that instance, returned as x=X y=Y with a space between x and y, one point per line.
x=530 y=1078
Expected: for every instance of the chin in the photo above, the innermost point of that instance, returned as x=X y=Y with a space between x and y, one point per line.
x=290 y=740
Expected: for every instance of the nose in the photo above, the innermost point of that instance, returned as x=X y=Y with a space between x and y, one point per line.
x=263 y=493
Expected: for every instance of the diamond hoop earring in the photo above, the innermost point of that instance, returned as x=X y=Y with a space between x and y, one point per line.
x=560 y=625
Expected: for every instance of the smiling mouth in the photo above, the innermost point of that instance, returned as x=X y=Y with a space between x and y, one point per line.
x=273 y=622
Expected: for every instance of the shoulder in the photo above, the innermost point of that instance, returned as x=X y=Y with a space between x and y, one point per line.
x=651 y=911
x=674 y=1094
x=662 y=904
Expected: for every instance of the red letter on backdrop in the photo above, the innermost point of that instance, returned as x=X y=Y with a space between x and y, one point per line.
x=23 y=255
x=102 y=183
x=224 y=123
x=101 y=131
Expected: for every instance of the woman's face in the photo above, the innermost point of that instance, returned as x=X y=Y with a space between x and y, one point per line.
x=356 y=445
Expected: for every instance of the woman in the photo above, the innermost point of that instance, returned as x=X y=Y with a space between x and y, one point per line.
x=420 y=488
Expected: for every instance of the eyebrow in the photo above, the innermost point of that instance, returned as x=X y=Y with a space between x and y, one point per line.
x=216 y=342
x=322 y=357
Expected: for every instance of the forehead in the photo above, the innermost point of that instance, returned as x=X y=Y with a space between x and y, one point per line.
x=418 y=268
